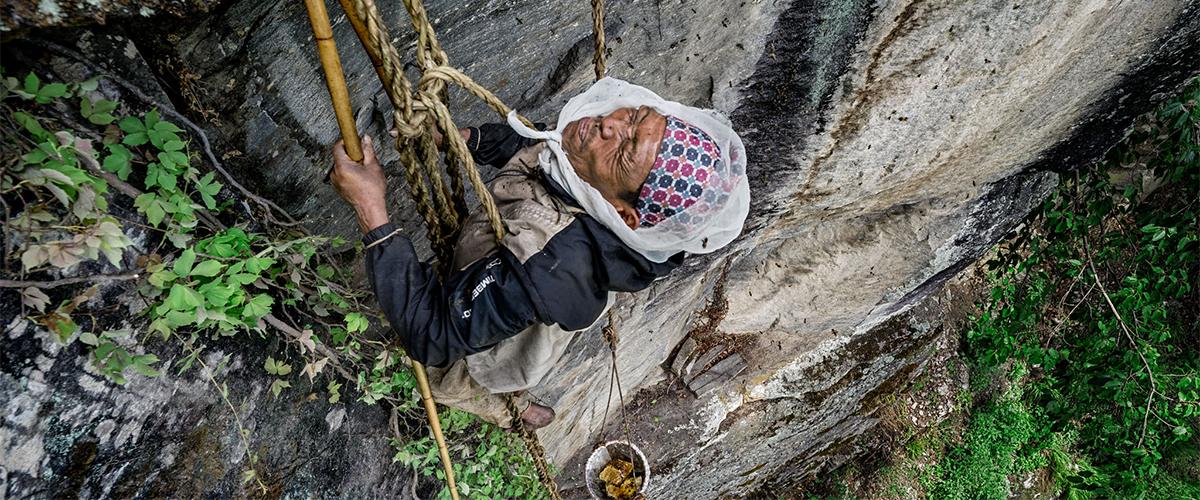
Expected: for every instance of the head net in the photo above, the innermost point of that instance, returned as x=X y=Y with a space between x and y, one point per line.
x=707 y=227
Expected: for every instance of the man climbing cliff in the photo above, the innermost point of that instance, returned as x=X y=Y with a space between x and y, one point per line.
x=616 y=197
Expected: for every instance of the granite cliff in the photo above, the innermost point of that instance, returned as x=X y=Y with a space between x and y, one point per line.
x=891 y=144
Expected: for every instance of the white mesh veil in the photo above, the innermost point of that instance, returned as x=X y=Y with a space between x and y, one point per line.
x=722 y=218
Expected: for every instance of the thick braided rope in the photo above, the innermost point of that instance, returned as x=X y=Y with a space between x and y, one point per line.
x=598 y=56
x=436 y=71
x=458 y=147
x=429 y=51
x=533 y=445
x=411 y=125
x=399 y=91
x=453 y=75
x=398 y=88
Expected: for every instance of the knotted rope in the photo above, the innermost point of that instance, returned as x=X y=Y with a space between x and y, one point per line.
x=441 y=208
x=444 y=209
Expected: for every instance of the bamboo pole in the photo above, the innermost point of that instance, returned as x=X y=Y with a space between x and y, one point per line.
x=435 y=425
x=334 y=79
x=361 y=30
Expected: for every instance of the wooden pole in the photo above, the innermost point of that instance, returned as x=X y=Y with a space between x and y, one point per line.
x=327 y=50
x=361 y=30
x=435 y=425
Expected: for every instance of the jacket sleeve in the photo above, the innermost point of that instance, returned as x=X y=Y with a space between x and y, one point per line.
x=496 y=143
x=441 y=322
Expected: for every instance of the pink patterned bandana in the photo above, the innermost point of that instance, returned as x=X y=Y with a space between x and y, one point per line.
x=681 y=176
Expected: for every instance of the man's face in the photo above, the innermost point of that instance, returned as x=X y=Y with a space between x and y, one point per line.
x=614 y=153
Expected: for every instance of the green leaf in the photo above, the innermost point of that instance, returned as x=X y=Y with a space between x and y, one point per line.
x=183 y=298
x=335 y=393
x=258 y=264
x=165 y=126
x=101 y=118
x=118 y=161
x=160 y=326
x=278 y=386
x=183 y=265
x=243 y=278
x=104 y=349
x=258 y=306
x=208 y=268
x=208 y=189
x=135 y=139
x=153 y=209
x=141 y=364
x=176 y=319
x=145 y=370
x=217 y=294
x=151 y=119
x=51 y=92
x=132 y=125
x=356 y=322
x=160 y=279
x=168 y=182
x=209 y=202
x=31 y=124
x=31 y=83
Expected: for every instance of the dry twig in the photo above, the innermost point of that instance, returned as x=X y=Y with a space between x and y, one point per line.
x=100 y=278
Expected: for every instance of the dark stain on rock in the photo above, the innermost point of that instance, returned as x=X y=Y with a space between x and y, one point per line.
x=792 y=75
x=855 y=119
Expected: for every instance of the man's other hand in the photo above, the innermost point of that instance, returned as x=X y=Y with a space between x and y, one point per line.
x=438 y=138
x=362 y=185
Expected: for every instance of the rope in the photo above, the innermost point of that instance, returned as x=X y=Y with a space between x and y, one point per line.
x=533 y=445
x=598 y=56
x=614 y=377
x=442 y=209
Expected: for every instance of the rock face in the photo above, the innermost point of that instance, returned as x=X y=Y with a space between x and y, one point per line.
x=891 y=144
x=57 y=13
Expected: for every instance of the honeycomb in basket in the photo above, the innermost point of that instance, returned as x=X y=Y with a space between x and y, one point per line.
x=619 y=481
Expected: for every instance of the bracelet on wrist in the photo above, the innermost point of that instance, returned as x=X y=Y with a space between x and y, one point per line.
x=382 y=239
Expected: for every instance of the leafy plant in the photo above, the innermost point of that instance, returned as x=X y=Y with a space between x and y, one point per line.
x=489 y=462
x=203 y=270
x=1100 y=302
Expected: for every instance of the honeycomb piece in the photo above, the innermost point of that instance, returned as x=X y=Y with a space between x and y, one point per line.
x=613 y=490
x=629 y=489
x=616 y=471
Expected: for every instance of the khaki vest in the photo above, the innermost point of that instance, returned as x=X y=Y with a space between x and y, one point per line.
x=532 y=216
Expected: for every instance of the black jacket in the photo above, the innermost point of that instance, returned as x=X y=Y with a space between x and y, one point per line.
x=497 y=297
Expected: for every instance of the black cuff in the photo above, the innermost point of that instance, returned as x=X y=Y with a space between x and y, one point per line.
x=496 y=143
x=473 y=140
